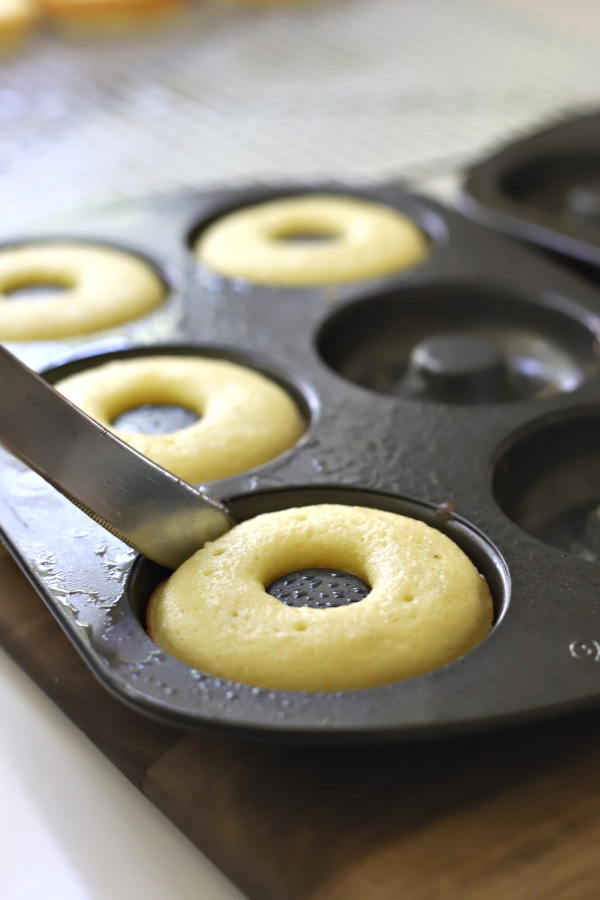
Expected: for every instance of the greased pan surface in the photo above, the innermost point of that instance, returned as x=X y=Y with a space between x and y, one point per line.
x=544 y=188
x=466 y=467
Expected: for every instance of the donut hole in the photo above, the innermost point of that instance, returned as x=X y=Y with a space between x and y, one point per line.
x=307 y=234
x=30 y=287
x=318 y=588
x=162 y=410
x=155 y=418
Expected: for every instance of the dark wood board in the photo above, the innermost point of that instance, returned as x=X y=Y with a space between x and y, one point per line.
x=513 y=814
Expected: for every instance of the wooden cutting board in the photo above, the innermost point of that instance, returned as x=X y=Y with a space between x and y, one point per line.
x=513 y=814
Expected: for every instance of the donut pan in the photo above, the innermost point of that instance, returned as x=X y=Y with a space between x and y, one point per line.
x=544 y=189
x=479 y=447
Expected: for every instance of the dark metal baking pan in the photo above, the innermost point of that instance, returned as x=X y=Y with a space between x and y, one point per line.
x=372 y=438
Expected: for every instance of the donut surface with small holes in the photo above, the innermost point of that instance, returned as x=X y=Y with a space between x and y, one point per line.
x=427 y=605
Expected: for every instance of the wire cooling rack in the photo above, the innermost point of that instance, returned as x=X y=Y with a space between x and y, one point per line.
x=354 y=89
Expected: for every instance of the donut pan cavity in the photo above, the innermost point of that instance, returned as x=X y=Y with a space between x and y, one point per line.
x=439 y=434
x=545 y=188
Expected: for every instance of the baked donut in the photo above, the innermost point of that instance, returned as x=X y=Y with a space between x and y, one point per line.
x=245 y=418
x=103 y=288
x=427 y=606
x=111 y=15
x=264 y=2
x=362 y=240
x=17 y=18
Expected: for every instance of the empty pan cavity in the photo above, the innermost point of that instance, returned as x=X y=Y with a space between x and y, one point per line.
x=566 y=184
x=548 y=482
x=461 y=343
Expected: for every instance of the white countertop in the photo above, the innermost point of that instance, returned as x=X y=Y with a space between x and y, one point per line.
x=71 y=826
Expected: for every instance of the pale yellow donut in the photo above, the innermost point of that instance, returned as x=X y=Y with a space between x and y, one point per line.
x=97 y=17
x=17 y=18
x=104 y=288
x=264 y=2
x=369 y=240
x=246 y=419
x=428 y=604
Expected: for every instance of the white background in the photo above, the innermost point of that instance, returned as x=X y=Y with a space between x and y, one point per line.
x=71 y=826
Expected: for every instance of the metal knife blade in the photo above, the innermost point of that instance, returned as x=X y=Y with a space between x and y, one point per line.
x=145 y=506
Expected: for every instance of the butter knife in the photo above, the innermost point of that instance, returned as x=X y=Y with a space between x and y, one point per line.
x=145 y=506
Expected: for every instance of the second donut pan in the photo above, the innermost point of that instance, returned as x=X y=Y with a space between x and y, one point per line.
x=545 y=189
x=493 y=465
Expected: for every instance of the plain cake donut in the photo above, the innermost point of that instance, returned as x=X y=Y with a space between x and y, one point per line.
x=102 y=288
x=111 y=15
x=17 y=18
x=427 y=606
x=362 y=240
x=245 y=418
